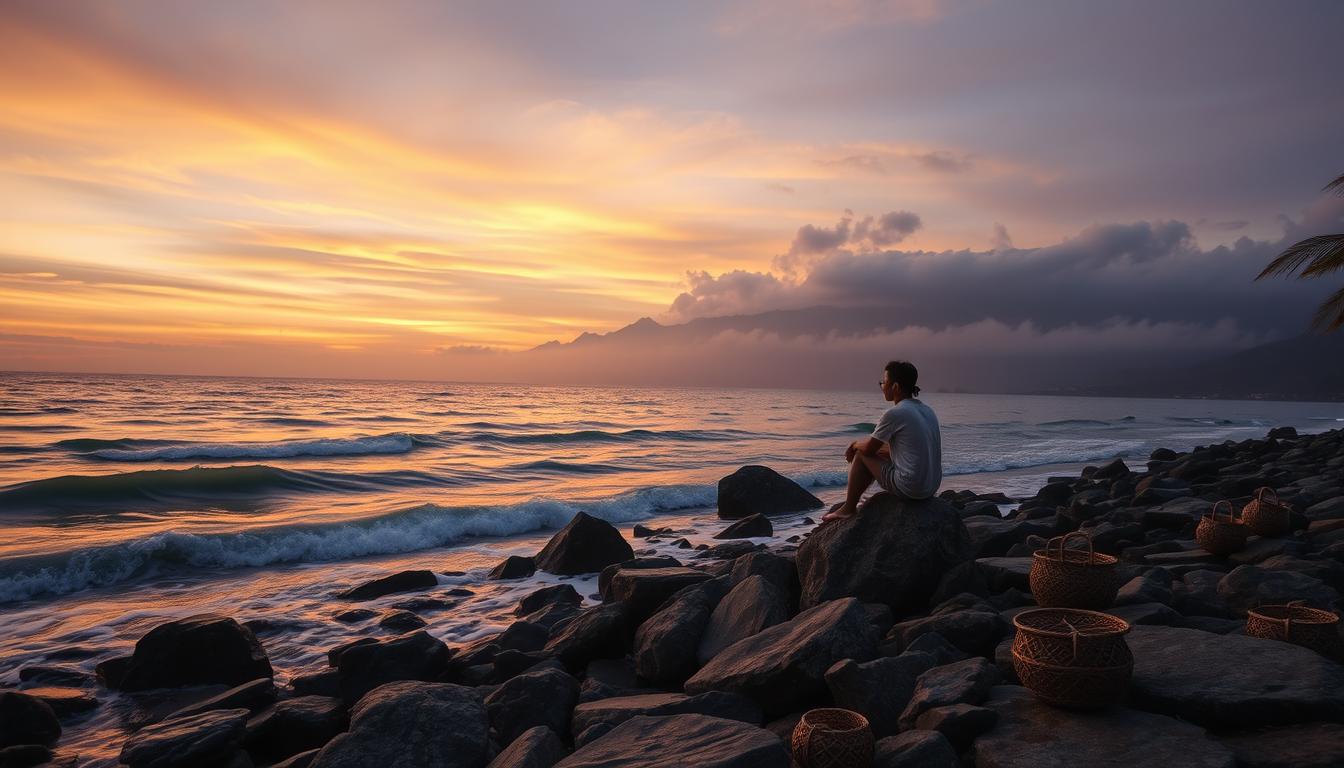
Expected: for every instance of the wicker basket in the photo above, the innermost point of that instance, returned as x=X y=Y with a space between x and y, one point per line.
x=1267 y=517
x=1071 y=658
x=1072 y=578
x=1221 y=537
x=1297 y=624
x=832 y=738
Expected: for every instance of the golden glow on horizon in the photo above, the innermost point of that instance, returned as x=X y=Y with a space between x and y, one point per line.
x=144 y=211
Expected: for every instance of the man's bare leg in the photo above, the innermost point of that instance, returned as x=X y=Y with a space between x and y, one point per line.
x=862 y=471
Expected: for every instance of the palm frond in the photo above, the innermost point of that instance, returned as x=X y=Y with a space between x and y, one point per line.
x=1321 y=254
x=1336 y=186
x=1330 y=315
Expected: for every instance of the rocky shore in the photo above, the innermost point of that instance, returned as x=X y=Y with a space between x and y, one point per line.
x=903 y=614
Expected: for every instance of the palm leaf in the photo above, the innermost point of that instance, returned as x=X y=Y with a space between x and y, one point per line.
x=1324 y=252
x=1330 y=315
x=1337 y=186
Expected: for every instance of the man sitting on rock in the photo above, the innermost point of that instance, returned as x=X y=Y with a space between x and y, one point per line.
x=904 y=453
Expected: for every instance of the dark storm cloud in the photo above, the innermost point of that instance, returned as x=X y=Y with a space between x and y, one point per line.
x=1147 y=272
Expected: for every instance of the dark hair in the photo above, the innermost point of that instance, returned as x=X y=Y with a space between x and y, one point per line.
x=905 y=374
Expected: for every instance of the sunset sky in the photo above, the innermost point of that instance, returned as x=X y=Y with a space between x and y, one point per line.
x=382 y=189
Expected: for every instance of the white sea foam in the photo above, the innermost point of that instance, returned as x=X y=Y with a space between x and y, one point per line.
x=336 y=446
x=419 y=528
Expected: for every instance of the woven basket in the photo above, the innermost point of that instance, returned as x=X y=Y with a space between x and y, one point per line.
x=832 y=738
x=1297 y=624
x=1071 y=658
x=1221 y=537
x=1072 y=578
x=1267 y=517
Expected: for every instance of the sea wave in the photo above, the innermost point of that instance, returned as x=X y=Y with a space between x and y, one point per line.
x=1043 y=454
x=606 y=436
x=1075 y=423
x=423 y=527
x=398 y=442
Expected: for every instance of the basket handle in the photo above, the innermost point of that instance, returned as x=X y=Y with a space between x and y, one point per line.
x=1260 y=495
x=1091 y=554
x=1076 y=635
x=1230 y=510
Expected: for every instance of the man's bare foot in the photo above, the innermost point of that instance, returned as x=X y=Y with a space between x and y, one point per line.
x=838 y=512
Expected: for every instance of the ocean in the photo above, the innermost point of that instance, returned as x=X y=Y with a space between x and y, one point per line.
x=127 y=500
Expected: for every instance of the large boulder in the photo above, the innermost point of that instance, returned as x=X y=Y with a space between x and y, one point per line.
x=253 y=696
x=675 y=741
x=757 y=490
x=598 y=633
x=404 y=581
x=417 y=656
x=616 y=710
x=208 y=739
x=749 y=607
x=645 y=590
x=544 y=697
x=1250 y=586
x=25 y=719
x=412 y=724
x=556 y=594
x=293 y=726
x=585 y=545
x=198 y=650
x=667 y=644
x=879 y=689
x=1232 y=681
x=783 y=667
x=892 y=552
x=1030 y=734
x=962 y=682
x=536 y=748
x=915 y=749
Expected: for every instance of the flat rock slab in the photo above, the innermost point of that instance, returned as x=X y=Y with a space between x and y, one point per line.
x=1005 y=572
x=616 y=710
x=1032 y=734
x=1311 y=745
x=1232 y=681
x=681 y=740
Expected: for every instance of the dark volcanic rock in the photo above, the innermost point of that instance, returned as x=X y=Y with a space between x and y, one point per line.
x=401 y=621
x=585 y=545
x=974 y=632
x=405 y=581
x=553 y=595
x=353 y=615
x=1031 y=734
x=208 y=739
x=729 y=550
x=597 y=633
x=334 y=654
x=965 y=682
x=915 y=749
x=755 y=526
x=749 y=607
x=110 y=672
x=1249 y=586
x=252 y=696
x=25 y=719
x=514 y=567
x=64 y=702
x=960 y=723
x=892 y=552
x=879 y=689
x=666 y=645
x=54 y=674
x=198 y=650
x=937 y=645
x=25 y=755
x=645 y=563
x=1311 y=745
x=1232 y=681
x=417 y=656
x=536 y=748
x=545 y=697
x=614 y=711
x=754 y=490
x=412 y=724
x=783 y=667
x=991 y=537
x=293 y=726
x=676 y=741
x=645 y=590
x=780 y=570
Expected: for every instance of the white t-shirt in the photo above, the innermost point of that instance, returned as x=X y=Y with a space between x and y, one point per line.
x=910 y=429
